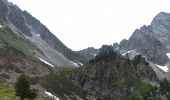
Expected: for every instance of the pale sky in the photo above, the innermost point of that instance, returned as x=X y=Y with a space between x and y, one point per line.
x=91 y=23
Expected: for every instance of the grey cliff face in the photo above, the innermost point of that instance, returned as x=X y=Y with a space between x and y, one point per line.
x=161 y=28
x=151 y=41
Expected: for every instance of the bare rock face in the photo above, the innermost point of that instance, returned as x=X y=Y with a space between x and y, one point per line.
x=151 y=41
x=148 y=45
x=161 y=28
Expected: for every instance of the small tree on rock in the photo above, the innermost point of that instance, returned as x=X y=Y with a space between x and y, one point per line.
x=22 y=88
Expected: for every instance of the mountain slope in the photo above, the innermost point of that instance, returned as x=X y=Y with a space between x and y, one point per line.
x=16 y=57
x=27 y=46
x=48 y=46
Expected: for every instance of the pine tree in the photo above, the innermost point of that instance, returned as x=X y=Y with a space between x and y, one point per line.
x=22 y=88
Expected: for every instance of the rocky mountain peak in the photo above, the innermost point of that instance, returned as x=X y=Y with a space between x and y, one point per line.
x=161 y=17
x=151 y=41
x=160 y=27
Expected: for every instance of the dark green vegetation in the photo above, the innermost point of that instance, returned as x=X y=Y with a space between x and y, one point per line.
x=165 y=88
x=59 y=83
x=106 y=56
x=22 y=88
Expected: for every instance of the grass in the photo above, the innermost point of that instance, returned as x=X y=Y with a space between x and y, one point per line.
x=7 y=92
x=142 y=90
x=7 y=37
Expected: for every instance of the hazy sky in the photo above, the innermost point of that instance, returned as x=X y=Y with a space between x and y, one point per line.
x=85 y=23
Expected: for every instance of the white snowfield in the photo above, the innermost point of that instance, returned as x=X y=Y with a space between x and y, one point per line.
x=164 y=68
x=51 y=95
x=80 y=63
x=1 y=26
x=46 y=62
x=127 y=52
x=75 y=63
x=168 y=54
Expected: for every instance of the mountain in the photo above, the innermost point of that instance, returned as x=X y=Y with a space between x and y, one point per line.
x=111 y=76
x=133 y=69
x=46 y=45
x=152 y=42
x=89 y=52
x=27 y=46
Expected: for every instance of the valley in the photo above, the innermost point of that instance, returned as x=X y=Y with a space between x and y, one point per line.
x=134 y=69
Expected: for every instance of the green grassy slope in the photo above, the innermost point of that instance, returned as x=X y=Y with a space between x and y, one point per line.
x=7 y=92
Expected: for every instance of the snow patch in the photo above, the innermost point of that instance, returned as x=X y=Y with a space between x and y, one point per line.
x=168 y=54
x=127 y=52
x=1 y=26
x=94 y=54
x=46 y=62
x=75 y=64
x=81 y=64
x=38 y=35
x=51 y=95
x=27 y=37
x=164 y=68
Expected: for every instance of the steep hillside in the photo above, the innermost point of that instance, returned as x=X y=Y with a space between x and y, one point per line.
x=25 y=26
x=27 y=46
x=16 y=56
